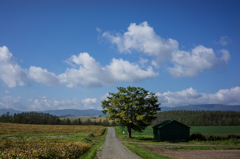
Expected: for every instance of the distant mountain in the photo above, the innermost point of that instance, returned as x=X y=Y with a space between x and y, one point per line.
x=210 y=107
x=11 y=111
x=94 y=112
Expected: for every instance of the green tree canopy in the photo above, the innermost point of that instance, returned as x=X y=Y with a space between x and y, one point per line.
x=133 y=107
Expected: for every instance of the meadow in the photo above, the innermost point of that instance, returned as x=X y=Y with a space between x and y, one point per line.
x=148 y=132
x=50 y=141
x=204 y=133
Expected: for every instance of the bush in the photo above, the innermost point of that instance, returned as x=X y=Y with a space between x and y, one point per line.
x=213 y=137
x=197 y=136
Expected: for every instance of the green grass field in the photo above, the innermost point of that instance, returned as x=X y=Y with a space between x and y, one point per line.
x=215 y=129
x=148 y=132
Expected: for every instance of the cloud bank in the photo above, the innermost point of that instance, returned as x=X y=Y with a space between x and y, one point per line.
x=89 y=73
x=47 y=104
x=167 y=99
x=191 y=96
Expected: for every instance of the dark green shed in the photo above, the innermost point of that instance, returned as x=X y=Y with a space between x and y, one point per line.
x=171 y=130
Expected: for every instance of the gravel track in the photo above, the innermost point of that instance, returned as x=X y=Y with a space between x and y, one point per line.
x=113 y=149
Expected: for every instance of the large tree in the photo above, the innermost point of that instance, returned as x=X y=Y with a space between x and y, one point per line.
x=133 y=107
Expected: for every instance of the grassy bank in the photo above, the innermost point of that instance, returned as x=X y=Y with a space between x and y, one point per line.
x=96 y=147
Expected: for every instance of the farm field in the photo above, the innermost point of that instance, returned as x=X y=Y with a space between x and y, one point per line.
x=42 y=149
x=49 y=141
x=9 y=128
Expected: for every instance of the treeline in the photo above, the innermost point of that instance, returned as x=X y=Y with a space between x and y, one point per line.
x=49 y=119
x=30 y=118
x=200 y=118
x=78 y=121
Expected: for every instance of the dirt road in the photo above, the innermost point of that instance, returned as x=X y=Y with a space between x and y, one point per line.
x=113 y=149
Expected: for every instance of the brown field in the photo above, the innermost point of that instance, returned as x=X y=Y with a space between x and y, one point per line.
x=9 y=128
x=196 y=154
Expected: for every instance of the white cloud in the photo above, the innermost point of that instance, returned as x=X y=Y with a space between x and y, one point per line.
x=125 y=71
x=10 y=72
x=91 y=74
x=142 y=38
x=12 y=102
x=43 y=76
x=191 y=96
x=188 y=64
x=42 y=103
x=6 y=91
x=89 y=102
x=13 y=75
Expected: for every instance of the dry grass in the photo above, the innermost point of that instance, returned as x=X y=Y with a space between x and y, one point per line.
x=9 y=128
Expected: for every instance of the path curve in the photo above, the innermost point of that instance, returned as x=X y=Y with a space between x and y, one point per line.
x=113 y=149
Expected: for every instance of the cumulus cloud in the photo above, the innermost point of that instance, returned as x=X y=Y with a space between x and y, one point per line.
x=10 y=72
x=43 y=76
x=91 y=74
x=142 y=38
x=125 y=71
x=12 y=102
x=191 y=96
x=189 y=64
x=89 y=102
x=13 y=75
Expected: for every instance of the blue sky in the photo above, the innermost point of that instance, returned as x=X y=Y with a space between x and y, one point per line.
x=64 y=55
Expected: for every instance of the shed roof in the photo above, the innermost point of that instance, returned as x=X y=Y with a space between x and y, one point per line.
x=166 y=122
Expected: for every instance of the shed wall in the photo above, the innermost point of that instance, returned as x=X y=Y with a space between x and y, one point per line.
x=174 y=131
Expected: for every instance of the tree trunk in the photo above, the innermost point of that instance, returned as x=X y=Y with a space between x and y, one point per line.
x=129 y=131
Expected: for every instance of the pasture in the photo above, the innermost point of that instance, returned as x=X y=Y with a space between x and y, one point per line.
x=148 y=132
x=211 y=134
